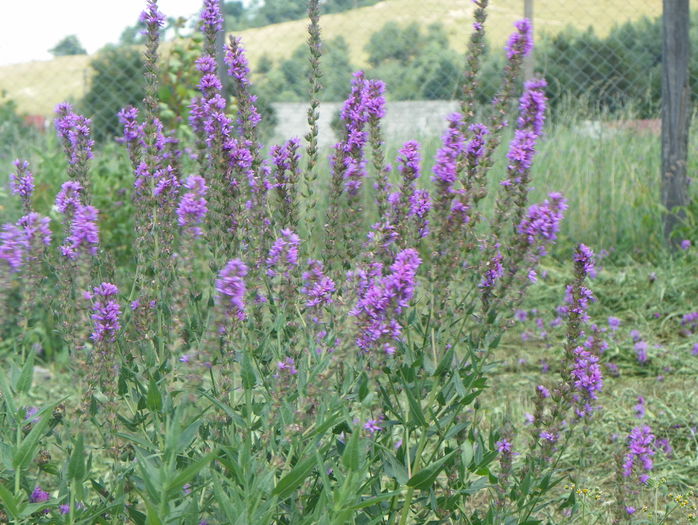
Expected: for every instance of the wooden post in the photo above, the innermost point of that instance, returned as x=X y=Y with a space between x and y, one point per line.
x=529 y=61
x=676 y=112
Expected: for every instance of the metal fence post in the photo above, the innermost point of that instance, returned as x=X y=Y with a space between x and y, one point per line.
x=676 y=112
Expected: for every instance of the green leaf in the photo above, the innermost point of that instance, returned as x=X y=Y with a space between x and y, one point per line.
x=467 y=453
x=154 y=400
x=351 y=458
x=416 y=413
x=7 y=395
x=76 y=466
x=249 y=378
x=9 y=501
x=294 y=479
x=152 y=517
x=25 y=452
x=186 y=475
x=425 y=478
x=374 y=501
x=24 y=381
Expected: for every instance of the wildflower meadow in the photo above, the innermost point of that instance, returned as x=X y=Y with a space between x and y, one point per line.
x=200 y=328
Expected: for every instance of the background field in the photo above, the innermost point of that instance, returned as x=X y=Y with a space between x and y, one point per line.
x=38 y=86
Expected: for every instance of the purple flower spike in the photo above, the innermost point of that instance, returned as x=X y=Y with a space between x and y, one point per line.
x=69 y=198
x=520 y=43
x=283 y=253
x=13 y=245
x=152 y=17
x=192 y=209
x=640 y=452
x=382 y=299
x=211 y=18
x=230 y=288
x=84 y=233
x=22 y=182
x=317 y=287
x=106 y=312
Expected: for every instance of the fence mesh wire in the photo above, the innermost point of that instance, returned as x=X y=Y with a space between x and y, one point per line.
x=606 y=54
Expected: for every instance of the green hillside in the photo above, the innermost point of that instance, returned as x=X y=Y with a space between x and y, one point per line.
x=38 y=86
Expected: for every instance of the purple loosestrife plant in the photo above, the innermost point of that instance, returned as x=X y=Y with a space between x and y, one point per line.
x=84 y=234
x=192 y=208
x=476 y=48
x=74 y=130
x=230 y=294
x=283 y=255
x=287 y=165
x=375 y=108
x=406 y=203
x=381 y=301
x=640 y=452
x=106 y=313
x=22 y=183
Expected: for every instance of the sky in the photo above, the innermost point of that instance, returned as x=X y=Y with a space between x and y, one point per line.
x=29 y=28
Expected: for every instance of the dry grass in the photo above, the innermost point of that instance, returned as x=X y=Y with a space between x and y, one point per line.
x=38 y=86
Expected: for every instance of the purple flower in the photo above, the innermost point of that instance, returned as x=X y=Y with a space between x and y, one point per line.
x=587 y=380
x=84 y=233
x=520 y=43
x=106 y=312
x=685 y=244
x=211 y=18
x=317 y=287
x=475 y=148
x=445 y=169
x=39 y=495
x=230 y=288
x=64 y=509
x=543 y=392
x=494 y=271
x=13 y=244
x=695 y=349
x=134 y=133
x=420 y=205
x=375 y=99
x=584 y=258
x=22 y=182
x=635 y=335
x=288 y=366
x=542 y=223
x=192 y=208
x=381 y=299
x=503 y=446
x=238 y=67
x=614 y=323
x=548 y=436
x=532 y=106
x=151 y=17
x=640 y=407
x=68 y=199
x=75 y=131
x=630 y=510
x=641 y=352
x=37 y=233
x=283 y=253
x=373 y=426
x=521 y=152
x=640 y=452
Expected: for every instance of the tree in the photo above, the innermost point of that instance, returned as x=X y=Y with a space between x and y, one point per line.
x=70 y=45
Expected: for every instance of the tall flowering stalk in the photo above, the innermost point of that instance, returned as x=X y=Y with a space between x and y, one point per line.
x=318 y=290
x=375 y=107
x=408 y=201
x=381 y=300
x=476 y=48
x=315 y=53
x=287 y=166
x=22 y=183
x=519 y=45
x=512 y=199
x=348 y=165
x=74 y=131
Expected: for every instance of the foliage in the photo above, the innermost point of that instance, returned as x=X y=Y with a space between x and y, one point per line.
x=70 y=45
x=238 y=364
x=113 y=86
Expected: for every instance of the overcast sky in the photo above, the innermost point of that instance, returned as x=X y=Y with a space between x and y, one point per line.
x=29 y=28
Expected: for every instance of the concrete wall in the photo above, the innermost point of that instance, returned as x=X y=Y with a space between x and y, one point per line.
x=403 y=121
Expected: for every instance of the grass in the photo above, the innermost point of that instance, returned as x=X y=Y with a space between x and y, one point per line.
x=38 y=86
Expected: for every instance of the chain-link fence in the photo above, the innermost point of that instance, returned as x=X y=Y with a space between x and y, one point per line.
x=603 y=55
